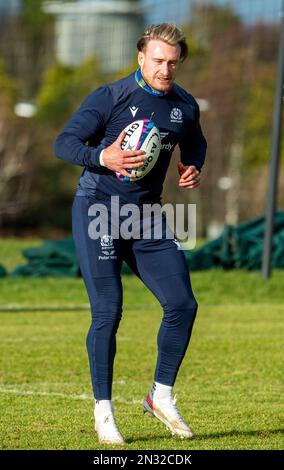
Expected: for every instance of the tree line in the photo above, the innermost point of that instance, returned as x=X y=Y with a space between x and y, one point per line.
x=231 y=67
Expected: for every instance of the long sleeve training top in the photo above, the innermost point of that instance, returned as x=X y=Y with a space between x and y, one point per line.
x=106 y=112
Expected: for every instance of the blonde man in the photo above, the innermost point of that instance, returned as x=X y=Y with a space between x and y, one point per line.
x=148 y=93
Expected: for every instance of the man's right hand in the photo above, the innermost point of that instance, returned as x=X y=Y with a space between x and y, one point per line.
x=119 y=160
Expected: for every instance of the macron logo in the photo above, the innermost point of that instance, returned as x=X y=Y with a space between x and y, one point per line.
x=133 y=110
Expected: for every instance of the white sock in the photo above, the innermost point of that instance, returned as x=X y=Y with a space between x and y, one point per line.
x=161 y=391
x=103 y=408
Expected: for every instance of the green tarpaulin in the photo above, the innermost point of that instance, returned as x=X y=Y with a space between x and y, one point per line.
x=53 y=258
x=3 y=271
x=237 y=247
x=240 y=247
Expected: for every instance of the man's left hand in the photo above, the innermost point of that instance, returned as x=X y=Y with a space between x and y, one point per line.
x=189 y=176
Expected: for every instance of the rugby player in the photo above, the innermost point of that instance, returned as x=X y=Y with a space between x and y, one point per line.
x=92 y=139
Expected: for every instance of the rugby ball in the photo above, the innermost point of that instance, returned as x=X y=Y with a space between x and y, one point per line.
x=142 y=135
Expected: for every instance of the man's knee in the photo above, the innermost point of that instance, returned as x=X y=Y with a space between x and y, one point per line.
x=185 y=302
x=181 y=311
x=106 y=319
x=180 y=301
x=106 y=303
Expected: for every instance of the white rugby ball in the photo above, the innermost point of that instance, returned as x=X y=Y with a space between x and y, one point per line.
x=142 y=135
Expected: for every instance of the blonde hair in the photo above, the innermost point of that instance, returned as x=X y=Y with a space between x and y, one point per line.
x=167 y=32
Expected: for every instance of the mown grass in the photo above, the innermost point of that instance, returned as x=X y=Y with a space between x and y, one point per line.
x=230 y=385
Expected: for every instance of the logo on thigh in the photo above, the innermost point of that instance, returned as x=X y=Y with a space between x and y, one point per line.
x=107 y=248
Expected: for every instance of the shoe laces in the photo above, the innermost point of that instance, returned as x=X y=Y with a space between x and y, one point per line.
x=174 y=410
x=110 y=422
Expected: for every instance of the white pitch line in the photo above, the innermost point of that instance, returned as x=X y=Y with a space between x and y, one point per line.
x=82 y=396
x=18 y=307
x=15 y=307
x=18 y=386
x=40 y=339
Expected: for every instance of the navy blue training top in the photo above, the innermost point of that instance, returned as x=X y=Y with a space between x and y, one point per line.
x=106 y=112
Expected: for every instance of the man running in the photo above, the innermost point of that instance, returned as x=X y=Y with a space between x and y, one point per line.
x=92 y=138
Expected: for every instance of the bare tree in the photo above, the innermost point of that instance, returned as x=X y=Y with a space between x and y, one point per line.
x=15 y=169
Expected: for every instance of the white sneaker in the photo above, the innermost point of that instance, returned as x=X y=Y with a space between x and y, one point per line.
x=108 y=432
x=165 y=410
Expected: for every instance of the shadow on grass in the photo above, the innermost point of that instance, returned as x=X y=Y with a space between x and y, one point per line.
x=234 y=432
x=217 y=435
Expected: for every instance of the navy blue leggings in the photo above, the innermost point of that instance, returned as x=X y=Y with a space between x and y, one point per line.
x=162 y=267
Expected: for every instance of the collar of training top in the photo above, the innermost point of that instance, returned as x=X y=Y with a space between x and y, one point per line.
x=141 y=82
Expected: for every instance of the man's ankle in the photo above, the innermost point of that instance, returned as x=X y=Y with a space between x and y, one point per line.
x=161 y=391
x=103 y=408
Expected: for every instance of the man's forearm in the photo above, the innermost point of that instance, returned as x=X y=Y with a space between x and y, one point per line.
x=70 y=148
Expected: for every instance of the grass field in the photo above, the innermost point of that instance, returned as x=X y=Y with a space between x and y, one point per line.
x=230 y=385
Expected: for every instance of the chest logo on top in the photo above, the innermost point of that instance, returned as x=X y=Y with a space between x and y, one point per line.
x=176 y=115
x=133 y=110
